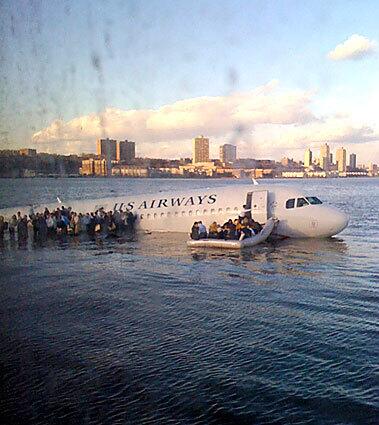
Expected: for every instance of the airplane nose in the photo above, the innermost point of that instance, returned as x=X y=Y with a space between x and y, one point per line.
x=339 y=222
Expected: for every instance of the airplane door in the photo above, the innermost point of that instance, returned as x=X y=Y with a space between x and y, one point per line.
x=259 y=205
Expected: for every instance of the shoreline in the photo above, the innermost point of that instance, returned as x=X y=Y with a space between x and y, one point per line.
x=181 y=177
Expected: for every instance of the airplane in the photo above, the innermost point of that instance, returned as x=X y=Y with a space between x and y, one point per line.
x=299 y=215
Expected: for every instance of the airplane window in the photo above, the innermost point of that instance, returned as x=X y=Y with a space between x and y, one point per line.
x=190 y=212
x=141 y=216
x=290 y=203
x=205 y=211
x=148 y=216
x=220 y=210
x=155 y=215
x=198 y=212
x=183 y=213
x=162 y=214
x=227 y=209
x=213 y=211
x=301 y=202
x=168 y=214
x=235 y=208
x=176 y=213
x=313 y=200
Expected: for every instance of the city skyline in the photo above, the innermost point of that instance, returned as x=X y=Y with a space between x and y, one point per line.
x=75 y=72
x=325 y=158
x=117 y=158
x=124 y=151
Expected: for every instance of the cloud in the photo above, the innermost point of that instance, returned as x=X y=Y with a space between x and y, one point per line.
x=182 y=120
x=265 y=122
x=355 y=47
x=292 y=140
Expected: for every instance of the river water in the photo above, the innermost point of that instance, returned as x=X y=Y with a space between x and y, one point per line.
x=150 y=332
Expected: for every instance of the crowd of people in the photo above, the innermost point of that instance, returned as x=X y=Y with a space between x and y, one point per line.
x=63 y=221
x=237 y=229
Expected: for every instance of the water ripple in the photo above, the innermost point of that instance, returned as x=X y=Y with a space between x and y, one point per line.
x=150 y=333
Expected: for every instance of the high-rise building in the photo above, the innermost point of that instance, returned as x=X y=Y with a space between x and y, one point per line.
x=97 y=167
x=324 y=163
x=353 y=161
x=325 y=157
x=200 y=150
x=126 y=151
x=308 y=158
x=106 y=148
x=228 y=153
x=88 y=167
x=101 y=167
x=372 y=169
x=341 y=160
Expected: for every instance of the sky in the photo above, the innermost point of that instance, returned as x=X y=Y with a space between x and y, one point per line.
x=272 y=77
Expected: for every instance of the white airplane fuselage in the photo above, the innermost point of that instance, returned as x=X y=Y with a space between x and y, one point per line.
x=177 y=211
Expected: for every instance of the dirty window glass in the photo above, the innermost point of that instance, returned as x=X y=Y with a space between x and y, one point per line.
x=301 y=202
x=290 y=203
x=313 y=200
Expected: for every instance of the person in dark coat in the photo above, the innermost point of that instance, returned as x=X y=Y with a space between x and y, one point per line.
x=91 y=224
x=3 y=227
x=230 y=229
x=33 y=219
x=130 y=221
x=245 y=233
x=22 y=231
x=12 y=226
x=255 y=226
x=42 y=228
x=195 y=231
x=117 y=222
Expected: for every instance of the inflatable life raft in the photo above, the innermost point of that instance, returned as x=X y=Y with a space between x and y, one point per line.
x=233 y=244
